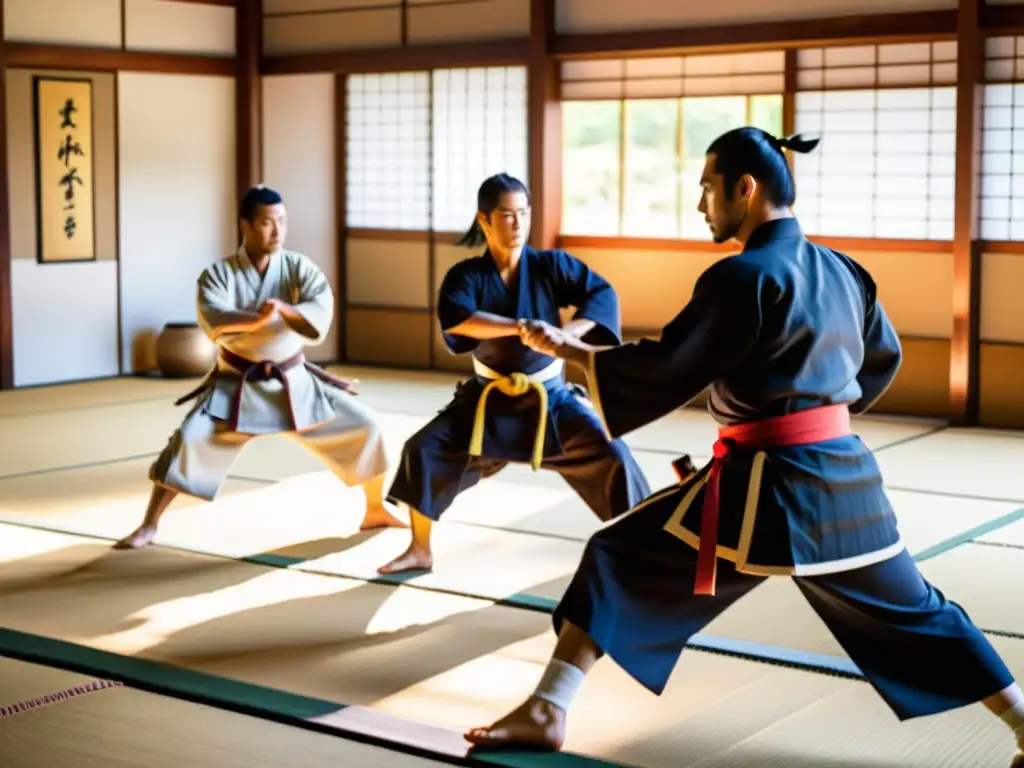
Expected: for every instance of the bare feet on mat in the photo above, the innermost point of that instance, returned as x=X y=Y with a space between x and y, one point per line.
x=415 y=558
x=380 y=517
x=536 y=723
x=140 y=537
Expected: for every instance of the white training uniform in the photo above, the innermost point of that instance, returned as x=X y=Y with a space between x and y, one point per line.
x=329 y=421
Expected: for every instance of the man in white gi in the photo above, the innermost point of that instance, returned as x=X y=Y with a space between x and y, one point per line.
x=262 y=306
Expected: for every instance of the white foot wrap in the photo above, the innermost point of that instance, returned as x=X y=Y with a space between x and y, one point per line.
x=560 y=683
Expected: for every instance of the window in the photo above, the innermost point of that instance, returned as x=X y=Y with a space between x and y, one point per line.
x=886 y=163
x=1002 y=141
x=635 y=133
x=387 y=154
x=479 y=129
x=591 y=170
x=420 y=143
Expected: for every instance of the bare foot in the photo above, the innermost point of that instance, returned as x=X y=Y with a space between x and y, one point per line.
x=141 y=537
x=415 y=558
x=380 y=517
x=536 y=723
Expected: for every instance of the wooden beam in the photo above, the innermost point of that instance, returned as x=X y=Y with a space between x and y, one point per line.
x=681 y=246
x=898 y=27
x=341 y=209
x=964 y=346
x=484 y=53
x=6 y=293
x=544 y=127
x=248 y=94
x=36 y=56
x=1007 y=19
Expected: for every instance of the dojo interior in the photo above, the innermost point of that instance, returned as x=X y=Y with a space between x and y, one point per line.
x=255 y=631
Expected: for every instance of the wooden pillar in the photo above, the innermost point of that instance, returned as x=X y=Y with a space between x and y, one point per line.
x=789 y=100
x=248 y=94
x=340 y=209
x=544 y=115
x=964 y=344
x=6 y=314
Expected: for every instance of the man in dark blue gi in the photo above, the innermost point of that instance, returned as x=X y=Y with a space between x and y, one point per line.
x=517 y=407
x=792 y=339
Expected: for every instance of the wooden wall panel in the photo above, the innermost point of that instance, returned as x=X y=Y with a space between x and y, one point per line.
x=345 y=30
x=82 y=22
x=1002 y=307
x=198 y=28
x=289 y=7
x=921 y=387
x=916 y=289
x=472 y=20
x=586 y=16
x=388 y=337
x=1001 y=394
x=388 y=273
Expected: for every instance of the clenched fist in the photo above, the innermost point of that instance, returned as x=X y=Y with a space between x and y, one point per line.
x=541 y=336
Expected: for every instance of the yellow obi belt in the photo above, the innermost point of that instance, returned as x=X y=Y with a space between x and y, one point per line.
x=514 y=385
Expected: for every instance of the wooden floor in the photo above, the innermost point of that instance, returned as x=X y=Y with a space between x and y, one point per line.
x=255 y=632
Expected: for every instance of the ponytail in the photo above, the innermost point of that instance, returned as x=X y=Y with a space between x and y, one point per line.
x=799 y=143
x=474 y=235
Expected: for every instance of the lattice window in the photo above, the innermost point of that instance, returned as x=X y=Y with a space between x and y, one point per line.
x=1002 y=142
x=479 y=129
x=885 y=167
x=388 y=158
x=1004 y=59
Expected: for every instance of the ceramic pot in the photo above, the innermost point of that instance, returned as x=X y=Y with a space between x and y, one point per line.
x=183 y=351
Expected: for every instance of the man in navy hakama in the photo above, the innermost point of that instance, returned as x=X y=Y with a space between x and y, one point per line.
x=517 y=407
x=792 y=339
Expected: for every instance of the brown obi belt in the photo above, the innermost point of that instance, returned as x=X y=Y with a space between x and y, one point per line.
x=265 y=370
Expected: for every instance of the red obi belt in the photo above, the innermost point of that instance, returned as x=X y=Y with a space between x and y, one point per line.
x=802 y=428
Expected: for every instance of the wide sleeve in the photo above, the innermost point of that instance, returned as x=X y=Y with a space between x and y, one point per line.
x=457 y=301
x=216 y=307
x=579 y=286
x=637 y=383
x=315 y=300
x=882 y=355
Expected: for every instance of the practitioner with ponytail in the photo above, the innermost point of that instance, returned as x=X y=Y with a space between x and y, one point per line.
x=791 y=338
x=517 y=406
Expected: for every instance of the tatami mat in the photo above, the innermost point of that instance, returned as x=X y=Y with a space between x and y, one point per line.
x=976 y=462
x=75 y=459
x=450 y=661
x=134 y=417
x=26 y=682
x=91 y=394
x=977 y=578
x=126 y=728
x=1012 y=535
x=321 y=535
x=247 y=519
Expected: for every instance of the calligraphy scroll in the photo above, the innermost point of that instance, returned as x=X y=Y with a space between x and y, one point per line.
x=64 y=169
